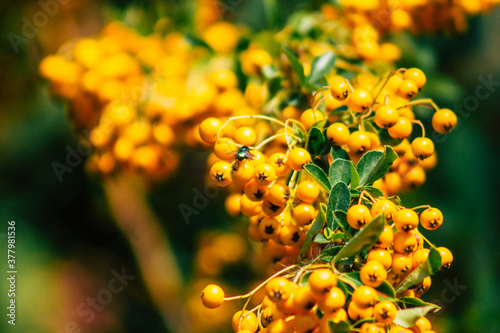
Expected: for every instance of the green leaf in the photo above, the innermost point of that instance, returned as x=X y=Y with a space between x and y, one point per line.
x=315 y=228
x=340 y=327
x=328 y=254
x=338 y=152
x=408 y=317
x=339 y=219
x=374 y=165
x=318 y=144
x=366 y=237
x=321 y=239
x=270 y=72
x=296 y=64
x=427 y=268
x=372 y=190
x=339 y=200
x=367 y=125
x=354 y=176
x=351 y=279
x=321 y=66
x=340 y=171
x=387 y=289
x=318 y=175
x=411 y=302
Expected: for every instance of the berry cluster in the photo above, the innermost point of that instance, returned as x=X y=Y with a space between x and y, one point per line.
x=319 y=191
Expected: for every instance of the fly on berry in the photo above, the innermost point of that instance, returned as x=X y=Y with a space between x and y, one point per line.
x=241 y=154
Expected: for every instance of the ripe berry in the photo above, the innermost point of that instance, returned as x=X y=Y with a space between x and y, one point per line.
x=307 y=191
x=404 y=242
x=385 y=312
x=419 y=257
x=444 y=120
x=232 y=204
x=311 y=117
x=209 y=129
x=384 y=206
x=332 y=301
x=406 y=220
x=303 y=214
x=321 y=281
x=242 y=172
x=270 y=313
x=264 y=174
x=254 y=191
x=279 y=289
x=245 y=136
x=297 y=158
x=360 y=100
x=278 y=194
x=380 y=255
x=401 y=263
x=303 y=299
x=386 y=116
x=446 y=257
x=249 y=207
x=422 y=324
x=431 y=218
x=356 y=313
x=416 y=75
x=422 y=148
x=358 y=216
x=269 y=227
x=385 y=238
x=338 y=134
x=402 y=129
x=258 y=158
x=291 y=234
x=271 y=209
x=245 y=320
x=364 y=296
x=358 y=142
x=407 y=89
x=220 y=174
x=372 y=274
x=274 y=252
x=339 y=89
x=305 y=322
x=212 y=296
x=279 y=162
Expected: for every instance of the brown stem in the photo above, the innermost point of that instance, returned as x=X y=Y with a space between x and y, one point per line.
x=150 y=244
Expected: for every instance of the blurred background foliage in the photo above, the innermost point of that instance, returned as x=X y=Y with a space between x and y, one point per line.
x=67 y=244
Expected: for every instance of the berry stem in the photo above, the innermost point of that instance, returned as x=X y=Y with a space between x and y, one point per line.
x=421 y=126
x=305 y=268
x=422 y=206
x=266 y=141
x=250 y=117
x=422 y=102
x=315 y=94
x=249 y=294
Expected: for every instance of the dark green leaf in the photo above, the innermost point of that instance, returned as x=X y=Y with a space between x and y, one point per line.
x=340 y=327
x=387 y=289
x=408 y=317
x=318 y=144
x=318 y=175
x=367 y=125
x=321 y=66
x=339 y=219
x=195 y=41
x=363 y=239
x=374 y=165
x=411 y=302
x=315 y=228
x=321 y=163
x=340 y=171
x=338 y=152
x=427 y=268
x=328 y=254
x=339 y=200
x=296 y=64
x=352 y=279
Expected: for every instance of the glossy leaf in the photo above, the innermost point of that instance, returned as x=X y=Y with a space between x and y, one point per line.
x=339 y=200
x=340 y=327
x=321 y=66
x=363 y=239
x=318 y=144
x=427 y=268
x=338 y=152
x=354 y=176
x=315 y=228
x=372 y=190
x=318 y=175
x=328 y=254
x=374 y=165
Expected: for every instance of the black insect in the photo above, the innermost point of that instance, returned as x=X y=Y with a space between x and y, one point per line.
x=242 y=154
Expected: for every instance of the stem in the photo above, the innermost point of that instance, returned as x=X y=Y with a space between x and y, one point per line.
x=260 y=285
x=250 y=117
x=315 y=94
x=421 y=102
x=421 y=126
x=422 y=206
x=266 y=141
x=305 y=268
x=150 y=244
